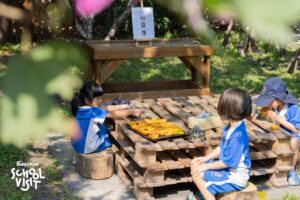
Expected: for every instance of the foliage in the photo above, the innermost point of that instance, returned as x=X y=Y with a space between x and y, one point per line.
x=27 y=107
x=287 y=196
x=268 y=19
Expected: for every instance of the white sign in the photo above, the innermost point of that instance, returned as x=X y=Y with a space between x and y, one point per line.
x=142 y=23
x=27 y=177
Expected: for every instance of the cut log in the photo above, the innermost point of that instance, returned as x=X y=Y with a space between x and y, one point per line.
x=96 y=165
x=249 y=193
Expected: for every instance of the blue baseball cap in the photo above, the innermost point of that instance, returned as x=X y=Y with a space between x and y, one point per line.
x=274 y=88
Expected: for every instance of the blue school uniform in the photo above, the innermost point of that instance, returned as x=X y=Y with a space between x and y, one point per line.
x=94 y=134
x=291 y=113
x=235 y=154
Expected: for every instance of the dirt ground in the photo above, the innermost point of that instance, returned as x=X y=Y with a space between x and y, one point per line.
x=65 y=183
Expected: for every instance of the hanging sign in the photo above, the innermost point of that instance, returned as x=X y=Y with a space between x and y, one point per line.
x=142 y=23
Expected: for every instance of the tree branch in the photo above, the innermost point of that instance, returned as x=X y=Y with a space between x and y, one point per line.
x=121 y=19
x=12 y=12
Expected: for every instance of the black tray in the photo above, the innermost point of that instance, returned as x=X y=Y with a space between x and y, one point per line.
x=160 y=138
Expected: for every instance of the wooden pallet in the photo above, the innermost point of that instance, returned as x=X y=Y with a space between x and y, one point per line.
x=154 y=162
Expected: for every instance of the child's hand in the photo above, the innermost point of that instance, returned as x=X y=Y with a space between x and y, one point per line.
x=125 y=107
x=199 y=160
x=137 y=112
x=274 y=117
x=196 y=170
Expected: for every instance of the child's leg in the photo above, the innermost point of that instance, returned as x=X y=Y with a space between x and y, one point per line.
x=295 y=148
x=212 y=182
x=200 y=183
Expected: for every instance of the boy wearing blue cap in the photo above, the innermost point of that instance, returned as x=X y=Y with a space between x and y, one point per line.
x=284 y=110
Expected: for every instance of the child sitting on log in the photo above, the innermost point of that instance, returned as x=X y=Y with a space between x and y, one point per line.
x=284 y=111
x=232 y=171
x=92 y=135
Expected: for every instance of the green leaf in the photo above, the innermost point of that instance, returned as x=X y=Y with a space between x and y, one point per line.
x=28 y=111
x=269 y=19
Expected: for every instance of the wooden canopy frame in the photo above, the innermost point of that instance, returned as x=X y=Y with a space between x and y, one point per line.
x=106 y=57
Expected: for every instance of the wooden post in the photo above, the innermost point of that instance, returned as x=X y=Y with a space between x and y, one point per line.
x=206 y=71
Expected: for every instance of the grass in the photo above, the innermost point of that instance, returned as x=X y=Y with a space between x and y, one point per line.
x=9 y=155
x=228 y=68
x=287 y=196
x=9 y=49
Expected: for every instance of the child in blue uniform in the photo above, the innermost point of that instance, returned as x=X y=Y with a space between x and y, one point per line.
x=284 y=110
x=92 y=135
x=232 y=171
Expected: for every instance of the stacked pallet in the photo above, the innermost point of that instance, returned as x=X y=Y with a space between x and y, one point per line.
x=144 y=165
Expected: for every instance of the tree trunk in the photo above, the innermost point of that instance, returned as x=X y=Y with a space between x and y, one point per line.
x=96 y=165
x=227 y=32
x=120 y=20
x=3 y=30
x=293 y=65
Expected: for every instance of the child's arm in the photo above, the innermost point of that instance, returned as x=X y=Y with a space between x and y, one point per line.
x=124 y=113
x=203 y=159
x=198 y=169
x=111 y=108
x=276 y=118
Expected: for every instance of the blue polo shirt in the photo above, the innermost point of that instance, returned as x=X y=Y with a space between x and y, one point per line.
x=291 y=113
x=235 y=153
x=94 y=134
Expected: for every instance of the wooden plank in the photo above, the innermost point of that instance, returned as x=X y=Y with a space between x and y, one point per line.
x=194 y=153
x=202 y=104
x=146 y=112
x=191 y=68
x=145 y=159
x=202 y=67
x=260 y=155
x=131 y=49
x=187 y=104
x=149 y=86
x=151 y=164
x=156 y=94
x=175 y=109
x=183 y=144
x=159 y=110
x=166 y=160
x=166 y=145
x=279 y=179
x=104 y=73
x=284 y=162
x=182 y=158
x=260 y=168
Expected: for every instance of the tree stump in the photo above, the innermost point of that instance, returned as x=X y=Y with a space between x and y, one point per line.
x=96 y=165
x=249 y=193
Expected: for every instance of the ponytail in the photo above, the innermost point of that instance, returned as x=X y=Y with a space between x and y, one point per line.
x=75 y=103
x=88 y=92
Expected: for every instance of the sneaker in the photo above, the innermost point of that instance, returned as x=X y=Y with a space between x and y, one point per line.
x=195 y=196
x=293 y=178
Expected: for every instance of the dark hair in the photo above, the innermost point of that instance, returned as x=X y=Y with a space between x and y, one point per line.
x=235 y=104
x=89 y=91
